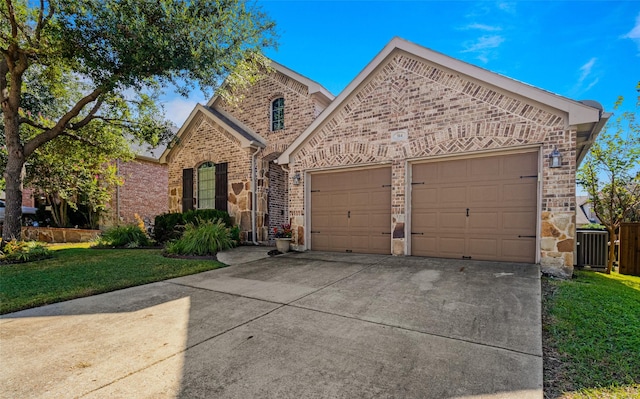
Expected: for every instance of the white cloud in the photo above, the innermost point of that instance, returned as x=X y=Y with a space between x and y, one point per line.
x=483 y=46
x=178 y=109
x=586 y=80
x=487 y=28
x=634 y=33
x=484 y=43
x=507 y=6
x=585 y=70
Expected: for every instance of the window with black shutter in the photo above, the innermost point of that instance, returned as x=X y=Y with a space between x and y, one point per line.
x=221 y=186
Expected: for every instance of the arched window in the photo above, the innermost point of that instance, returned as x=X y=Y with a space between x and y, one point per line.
x=277 y=114
x=207 y=186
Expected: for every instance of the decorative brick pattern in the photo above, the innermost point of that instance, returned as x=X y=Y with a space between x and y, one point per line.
x=444 y=113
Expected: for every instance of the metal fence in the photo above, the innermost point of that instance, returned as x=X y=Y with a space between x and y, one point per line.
x=592 y=248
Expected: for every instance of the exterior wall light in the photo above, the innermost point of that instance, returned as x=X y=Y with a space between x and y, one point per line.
x=556 y=158
x=296 y=179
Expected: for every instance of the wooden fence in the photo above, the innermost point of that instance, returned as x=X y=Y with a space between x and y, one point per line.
x=629 y=254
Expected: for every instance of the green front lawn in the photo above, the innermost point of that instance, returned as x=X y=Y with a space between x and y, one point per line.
x=78 y=272
x=592 y=336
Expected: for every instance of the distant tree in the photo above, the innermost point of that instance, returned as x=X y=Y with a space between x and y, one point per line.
x=117 y=50
x=611 y=174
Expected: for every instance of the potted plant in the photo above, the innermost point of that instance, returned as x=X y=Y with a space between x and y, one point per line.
x=283 y=237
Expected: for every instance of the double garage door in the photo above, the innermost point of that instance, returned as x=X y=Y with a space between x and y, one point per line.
x=477 y=208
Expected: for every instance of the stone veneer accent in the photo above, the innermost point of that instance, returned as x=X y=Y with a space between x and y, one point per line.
x=204 y=140
x=444 y=113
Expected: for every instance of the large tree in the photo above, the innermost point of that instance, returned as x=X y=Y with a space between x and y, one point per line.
x=120 y=51
x=611 y=174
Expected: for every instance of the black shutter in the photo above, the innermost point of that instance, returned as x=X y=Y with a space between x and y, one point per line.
x=187 y=189
x=221 y=186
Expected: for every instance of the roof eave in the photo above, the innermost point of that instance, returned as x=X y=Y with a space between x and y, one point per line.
x=593 y=135
x=244 y=142
x=577 y=112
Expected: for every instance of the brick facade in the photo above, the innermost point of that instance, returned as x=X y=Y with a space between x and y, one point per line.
x=444 y=113
x=204 y=140
x=406 y=106
x=143 y=193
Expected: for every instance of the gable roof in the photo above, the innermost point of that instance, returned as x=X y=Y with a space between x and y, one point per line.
x=315 y=88
x=588 y=118
x=246 y=137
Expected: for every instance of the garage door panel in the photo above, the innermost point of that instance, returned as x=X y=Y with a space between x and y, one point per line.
x=452 y=171
x=428 y=220
x=369 y=243
x=484 y=220
x=483 y=247
x=352 y=210
x=453 y=195
x=516 y=250
x=452 y=247
x=520 y=192
x=517 y=165
x=484 y=168
x=452 y=219
x=429 y=197
x=480 y=194
x=424 y=245
x=320 y=220
x=500 y=193
x=519 y=221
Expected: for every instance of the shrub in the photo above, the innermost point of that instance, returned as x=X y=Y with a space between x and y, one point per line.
x=24 y=251
x=130 y=236
x=170 y=226
x=205 y=237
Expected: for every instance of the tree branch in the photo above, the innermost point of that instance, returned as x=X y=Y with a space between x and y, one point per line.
x=89 y=117
x=42 y=22
x=62 y=124
x=12 y=19
x=32 y=123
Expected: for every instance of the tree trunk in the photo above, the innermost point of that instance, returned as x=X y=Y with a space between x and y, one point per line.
x=612 y=250
x=11 y=228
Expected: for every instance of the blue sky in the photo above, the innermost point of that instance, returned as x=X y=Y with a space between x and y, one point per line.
x=578 y=49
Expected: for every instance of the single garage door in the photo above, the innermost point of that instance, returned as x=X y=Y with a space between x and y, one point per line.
x=476 y=208
x=351 y=211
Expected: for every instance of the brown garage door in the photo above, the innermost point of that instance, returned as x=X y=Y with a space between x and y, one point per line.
x=351 y=211
x=476 y=208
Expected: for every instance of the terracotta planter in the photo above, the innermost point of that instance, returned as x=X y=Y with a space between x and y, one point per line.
x=282 y=244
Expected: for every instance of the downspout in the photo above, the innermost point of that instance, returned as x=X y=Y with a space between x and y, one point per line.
x=254 y=195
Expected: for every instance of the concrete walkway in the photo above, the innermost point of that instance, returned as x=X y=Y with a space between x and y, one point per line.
x=309 y=325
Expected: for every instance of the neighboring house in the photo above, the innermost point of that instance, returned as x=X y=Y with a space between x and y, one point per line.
x=584 y=212
x=144 y=191
x=421 y=154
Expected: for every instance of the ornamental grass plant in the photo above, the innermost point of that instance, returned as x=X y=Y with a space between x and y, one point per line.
x=203 y=238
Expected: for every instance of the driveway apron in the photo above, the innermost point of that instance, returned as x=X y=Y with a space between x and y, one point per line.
x=301 y=325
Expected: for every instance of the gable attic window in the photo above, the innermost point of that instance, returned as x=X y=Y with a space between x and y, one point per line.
x=207 y=186
x=277 y=114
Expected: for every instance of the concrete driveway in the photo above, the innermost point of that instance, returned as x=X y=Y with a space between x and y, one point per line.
x=308 y=325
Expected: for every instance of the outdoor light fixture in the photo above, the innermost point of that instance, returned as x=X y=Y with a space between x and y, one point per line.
x=556 y=158
x=296 y=179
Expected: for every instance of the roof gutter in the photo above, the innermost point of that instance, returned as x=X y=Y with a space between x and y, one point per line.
x=593 y=135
